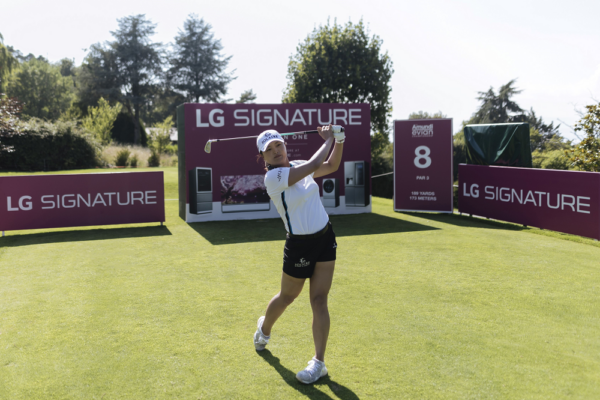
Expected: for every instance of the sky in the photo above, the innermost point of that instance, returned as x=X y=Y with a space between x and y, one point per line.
x=443 y=51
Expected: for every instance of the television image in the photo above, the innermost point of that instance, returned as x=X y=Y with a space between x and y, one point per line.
x=244 y=193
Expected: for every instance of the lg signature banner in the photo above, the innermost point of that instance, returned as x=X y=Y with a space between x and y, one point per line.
x=228 y=182
x=55 y=201
x=563 y=201
x=423 y=165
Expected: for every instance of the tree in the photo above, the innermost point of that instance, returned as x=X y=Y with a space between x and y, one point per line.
x=197 y=68
x=126 y=70
x=9 y=118
x=426 y=115
x=499 y=108
x=586 y=155
x=247 y=97
x=40 y=87
x=161 y=136
x=100 y=120
x=7 y=63
x=342 y=64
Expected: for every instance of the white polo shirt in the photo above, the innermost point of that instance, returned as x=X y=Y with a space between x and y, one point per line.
x=299 y=205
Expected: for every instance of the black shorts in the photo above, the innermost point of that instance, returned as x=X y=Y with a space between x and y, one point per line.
x=301 y=254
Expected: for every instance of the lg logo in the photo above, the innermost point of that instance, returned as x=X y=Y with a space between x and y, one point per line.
x=215 y=119
x=24 y=204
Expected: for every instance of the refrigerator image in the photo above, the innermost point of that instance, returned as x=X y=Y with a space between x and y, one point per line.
x=200 y=190
x=331 y=193
x=357 y=184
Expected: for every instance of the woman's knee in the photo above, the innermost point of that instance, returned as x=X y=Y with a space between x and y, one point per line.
x=318 y=301
x=287 y=298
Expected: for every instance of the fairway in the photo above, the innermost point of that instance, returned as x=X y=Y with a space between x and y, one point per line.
x=423 y=306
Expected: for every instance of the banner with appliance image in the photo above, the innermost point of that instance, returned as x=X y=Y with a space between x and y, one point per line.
x=228 y=182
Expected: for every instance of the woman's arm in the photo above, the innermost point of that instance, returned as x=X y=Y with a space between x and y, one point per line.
x=316 y=161
x=333 y=163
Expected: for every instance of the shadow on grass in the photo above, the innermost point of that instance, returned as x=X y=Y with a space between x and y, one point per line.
x=83 y=235
x=310 y=391
x=465 y=221
x=264 y=230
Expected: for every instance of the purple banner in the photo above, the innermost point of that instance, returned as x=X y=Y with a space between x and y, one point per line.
x=563 y=201
x=423 y=165
x=228 y=182
x=57 y=201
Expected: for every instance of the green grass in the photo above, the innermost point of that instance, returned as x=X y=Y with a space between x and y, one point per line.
x=422 y=306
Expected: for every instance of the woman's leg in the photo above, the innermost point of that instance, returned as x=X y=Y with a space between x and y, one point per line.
x=290 y=289
x=320 y=283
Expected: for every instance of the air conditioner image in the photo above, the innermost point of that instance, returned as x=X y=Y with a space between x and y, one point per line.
x=331 y=193
x=356 y=183
x=241 y=193
x=200 y=190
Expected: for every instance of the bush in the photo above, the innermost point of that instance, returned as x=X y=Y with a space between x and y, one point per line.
x=123 y=130
x=134 y=161
x=47 y=146
x=154 y=159
x=554 y=159
x=383 y=186
x=122 y=158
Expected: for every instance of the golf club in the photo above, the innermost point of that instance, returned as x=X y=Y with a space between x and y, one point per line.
x=207 y=148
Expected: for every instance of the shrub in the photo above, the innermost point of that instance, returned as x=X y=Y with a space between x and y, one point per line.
x=134 y=161
x=383 y=186
x=47 y=146
x=154 y=159
x=122 y=157
x=554 y=159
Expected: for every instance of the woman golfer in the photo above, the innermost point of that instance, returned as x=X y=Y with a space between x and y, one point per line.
x=310 y=247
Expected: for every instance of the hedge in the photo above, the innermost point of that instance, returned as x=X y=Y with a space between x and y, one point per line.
x=46 y=146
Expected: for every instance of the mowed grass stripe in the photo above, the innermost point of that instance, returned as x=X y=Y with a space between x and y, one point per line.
x=422 y=306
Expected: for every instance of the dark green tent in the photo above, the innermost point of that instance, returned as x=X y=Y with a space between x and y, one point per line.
x=498 y=144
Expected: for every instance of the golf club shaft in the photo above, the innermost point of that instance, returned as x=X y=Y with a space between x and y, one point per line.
x=254 y=137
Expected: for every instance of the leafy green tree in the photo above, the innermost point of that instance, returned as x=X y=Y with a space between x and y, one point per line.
x=544 y=136
x=10 y=109
x=343 y=64
x=586 y=155
x=7 y=63
x=100 y=120
x=126 y=70
x=44 y=92
x=197 y=68
x=247 y=97
x=161 y=137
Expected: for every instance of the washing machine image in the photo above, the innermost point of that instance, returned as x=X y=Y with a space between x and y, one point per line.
x=331 y=193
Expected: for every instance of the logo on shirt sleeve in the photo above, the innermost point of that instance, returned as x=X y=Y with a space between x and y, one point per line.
x=279 y=175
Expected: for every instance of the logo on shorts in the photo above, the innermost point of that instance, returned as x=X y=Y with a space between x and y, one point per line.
x=334 y=245
x=302 y=263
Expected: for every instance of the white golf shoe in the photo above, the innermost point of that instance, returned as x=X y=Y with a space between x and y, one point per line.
x=315 y=370
x=260 y=340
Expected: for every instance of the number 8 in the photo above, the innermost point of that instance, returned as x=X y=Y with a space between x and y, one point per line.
x=422 y=152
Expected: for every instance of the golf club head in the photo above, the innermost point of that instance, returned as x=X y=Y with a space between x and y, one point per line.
x=207 y=147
